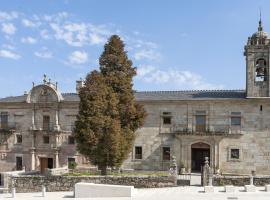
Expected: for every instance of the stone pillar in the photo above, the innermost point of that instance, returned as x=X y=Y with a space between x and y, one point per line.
x=205 y=173
x=174 y=170
x=33 y=159
x=33 y=120
x=56 y=158
x=56 y=126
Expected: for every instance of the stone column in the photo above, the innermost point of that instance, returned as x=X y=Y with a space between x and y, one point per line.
x=33 y=120
x=56 y=157
x=33 y=159
x=56 y=126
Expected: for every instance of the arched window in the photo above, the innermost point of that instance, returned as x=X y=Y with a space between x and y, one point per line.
x=260 y=70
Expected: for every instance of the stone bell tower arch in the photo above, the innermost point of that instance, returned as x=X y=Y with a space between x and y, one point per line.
x=257 y=52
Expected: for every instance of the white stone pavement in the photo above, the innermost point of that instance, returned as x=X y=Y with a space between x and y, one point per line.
x=177 y=193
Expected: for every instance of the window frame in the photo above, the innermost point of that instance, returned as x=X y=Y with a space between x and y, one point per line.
x=230 y=158
x=16 y=139
x=164 y=157
x=45 y=141
x=69 y=140
x=135 y=153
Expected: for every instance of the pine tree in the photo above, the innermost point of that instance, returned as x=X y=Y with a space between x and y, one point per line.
x=108 y=114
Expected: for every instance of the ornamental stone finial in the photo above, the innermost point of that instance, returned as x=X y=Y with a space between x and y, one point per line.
x=45 y=78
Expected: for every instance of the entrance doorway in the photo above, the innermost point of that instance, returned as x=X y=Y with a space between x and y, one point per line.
x=198 y=153
x=45 y=163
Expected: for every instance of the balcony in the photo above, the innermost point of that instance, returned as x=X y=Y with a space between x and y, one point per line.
x=52 y=127
x=217 y=129
x=8 y=126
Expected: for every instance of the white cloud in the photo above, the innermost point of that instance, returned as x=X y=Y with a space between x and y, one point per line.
x=8 y=16
x=181 y=79
x=9 y=54
x=78 y=57
x=43 y=53
x=30 y=24
x=80 y=34
x=28 y=40
x=148 y=54
x=8 y=46
x=8 y=28
x=45 y=34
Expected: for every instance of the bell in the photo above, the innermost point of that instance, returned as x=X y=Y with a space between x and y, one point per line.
x=260 y=72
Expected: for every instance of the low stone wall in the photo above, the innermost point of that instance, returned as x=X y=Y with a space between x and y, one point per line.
x=240 y=180
x=66 y=183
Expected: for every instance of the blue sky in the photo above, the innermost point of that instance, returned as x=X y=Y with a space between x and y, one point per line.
x=176 y=45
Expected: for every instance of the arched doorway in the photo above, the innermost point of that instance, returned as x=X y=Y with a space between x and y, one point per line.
x=199 y=151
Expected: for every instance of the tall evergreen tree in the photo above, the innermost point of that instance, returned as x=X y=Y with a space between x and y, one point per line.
x=108 y=114
x=119 y=72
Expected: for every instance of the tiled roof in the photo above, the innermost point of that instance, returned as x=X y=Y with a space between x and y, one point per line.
x=191 y=94
x=159 y=95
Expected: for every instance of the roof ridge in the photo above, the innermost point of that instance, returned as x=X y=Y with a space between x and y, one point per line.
x=171 y=91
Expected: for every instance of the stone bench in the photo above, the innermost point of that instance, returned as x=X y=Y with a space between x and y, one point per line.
x=267 y=188
x=91 y=190
x=229 y=188
x=209 y=189
x=250 y=188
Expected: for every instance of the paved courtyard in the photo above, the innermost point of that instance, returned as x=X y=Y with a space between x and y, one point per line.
x=183 y=193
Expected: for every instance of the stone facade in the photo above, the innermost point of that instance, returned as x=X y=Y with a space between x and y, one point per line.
x=231 y=127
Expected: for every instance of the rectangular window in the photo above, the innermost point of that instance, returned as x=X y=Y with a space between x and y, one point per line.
x=4 y=120
x=19 y=165
x=236 y=121
x=46 y=123
x=71 y=140
x=167 y=118
x=235 y=154
x=46 y=139
x=18 y=139
x=71 y=161
x=166 y=153
x=138 y=152
x=200 y=122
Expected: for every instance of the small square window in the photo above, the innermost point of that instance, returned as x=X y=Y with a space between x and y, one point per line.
x=18 y=139
x=166 y=154
x=235 y=154
x=235 y=121
x=167 y=120
x=71 y=140
x=138 y=152
x=46 y=139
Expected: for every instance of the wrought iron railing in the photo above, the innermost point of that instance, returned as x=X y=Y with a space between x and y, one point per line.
x=215 y=129
x=50 y=127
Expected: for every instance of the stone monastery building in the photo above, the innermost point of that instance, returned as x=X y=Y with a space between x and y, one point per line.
x=231 y=127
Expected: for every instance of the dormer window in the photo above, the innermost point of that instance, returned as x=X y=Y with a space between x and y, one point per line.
x=260 y=70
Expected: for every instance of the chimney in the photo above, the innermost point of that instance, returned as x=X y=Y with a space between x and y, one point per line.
x=79 y=85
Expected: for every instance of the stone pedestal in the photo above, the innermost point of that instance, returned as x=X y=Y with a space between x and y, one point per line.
x=267 y=188
x=229 y=189
x=208 y=189
x=250 y=188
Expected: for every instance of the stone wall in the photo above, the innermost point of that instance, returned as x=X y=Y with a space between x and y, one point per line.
x=66 y=183
x=240 y=180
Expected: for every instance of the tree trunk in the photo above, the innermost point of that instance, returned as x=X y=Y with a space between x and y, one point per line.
x=103 y=170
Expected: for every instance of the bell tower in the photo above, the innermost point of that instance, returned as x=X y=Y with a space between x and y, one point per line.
x=257 y=52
